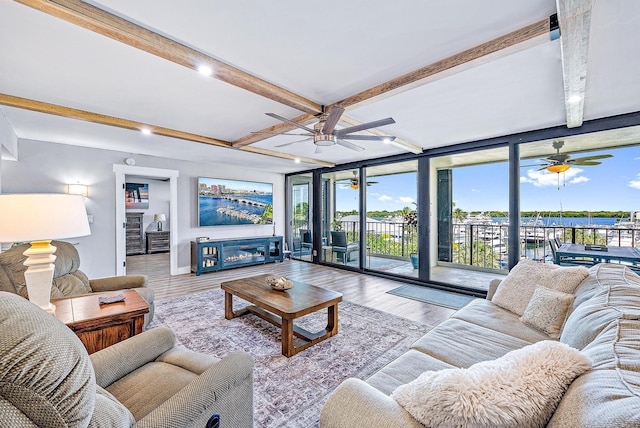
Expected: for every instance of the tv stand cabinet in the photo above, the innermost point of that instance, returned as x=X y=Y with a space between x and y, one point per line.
x=213 y=255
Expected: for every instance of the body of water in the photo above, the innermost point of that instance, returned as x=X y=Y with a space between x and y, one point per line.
x=564 y=221
x=209 y=215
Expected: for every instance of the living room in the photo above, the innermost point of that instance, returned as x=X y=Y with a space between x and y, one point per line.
x=496 y=93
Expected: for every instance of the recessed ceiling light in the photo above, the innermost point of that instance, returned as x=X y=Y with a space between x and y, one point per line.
x=574 y=98
x=145 y=131
x=205 y=70
x=387 y=141
x=296 y=160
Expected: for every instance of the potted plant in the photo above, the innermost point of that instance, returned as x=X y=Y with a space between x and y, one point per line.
x=411 y=224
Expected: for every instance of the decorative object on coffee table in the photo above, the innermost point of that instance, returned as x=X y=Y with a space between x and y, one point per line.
x=279 y=284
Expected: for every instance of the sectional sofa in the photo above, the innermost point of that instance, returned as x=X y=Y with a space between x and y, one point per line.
x=602 y=321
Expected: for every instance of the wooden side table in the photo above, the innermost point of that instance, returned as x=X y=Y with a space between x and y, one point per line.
x=98 y=326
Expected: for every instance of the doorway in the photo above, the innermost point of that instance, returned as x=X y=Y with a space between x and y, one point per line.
x=122 y=173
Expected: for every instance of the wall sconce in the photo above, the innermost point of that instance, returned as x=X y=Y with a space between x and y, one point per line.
x=159 y=218
x=78 y=189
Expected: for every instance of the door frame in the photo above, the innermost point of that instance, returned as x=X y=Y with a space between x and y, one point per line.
x=121 y=171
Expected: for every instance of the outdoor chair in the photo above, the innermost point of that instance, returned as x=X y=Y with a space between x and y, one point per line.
x=345 y=251
x=307 y=241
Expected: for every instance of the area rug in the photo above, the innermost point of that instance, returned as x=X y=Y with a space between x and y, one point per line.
x=432 y=295
x=290 y=392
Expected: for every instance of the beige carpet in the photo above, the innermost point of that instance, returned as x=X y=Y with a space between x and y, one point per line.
x=290 y=392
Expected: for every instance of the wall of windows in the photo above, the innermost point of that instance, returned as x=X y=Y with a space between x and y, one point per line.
x=466 y=211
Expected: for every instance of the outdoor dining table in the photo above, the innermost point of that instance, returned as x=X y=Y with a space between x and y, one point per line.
x=569 y=252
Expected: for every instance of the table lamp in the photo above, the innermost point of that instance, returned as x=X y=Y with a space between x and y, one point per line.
x=159 y=218
x=39 y=218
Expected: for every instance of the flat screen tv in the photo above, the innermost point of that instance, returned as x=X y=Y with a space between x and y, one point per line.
x=223 y=202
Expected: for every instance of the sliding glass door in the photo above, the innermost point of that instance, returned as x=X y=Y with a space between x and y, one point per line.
x=391 y=221
x=300 y=239
x=469 y=226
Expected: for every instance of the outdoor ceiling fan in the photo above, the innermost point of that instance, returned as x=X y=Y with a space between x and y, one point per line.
x=324 y=133
x=354 y=182
x=560 y=162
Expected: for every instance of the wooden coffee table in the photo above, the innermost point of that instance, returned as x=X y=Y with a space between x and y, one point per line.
x=282 y=307
x=100 y=326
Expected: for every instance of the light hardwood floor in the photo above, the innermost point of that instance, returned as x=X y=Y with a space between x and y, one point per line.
x=358 y=288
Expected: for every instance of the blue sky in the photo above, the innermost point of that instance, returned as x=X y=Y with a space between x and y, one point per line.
x=613 y=185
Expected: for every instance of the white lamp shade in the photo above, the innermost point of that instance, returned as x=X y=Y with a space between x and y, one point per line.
x=40 y=217
x=159 y=217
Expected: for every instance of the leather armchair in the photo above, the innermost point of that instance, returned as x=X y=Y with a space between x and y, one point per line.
x=68 y=280
x=48 y=379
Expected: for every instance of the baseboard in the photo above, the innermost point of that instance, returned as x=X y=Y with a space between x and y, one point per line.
x=184 y=269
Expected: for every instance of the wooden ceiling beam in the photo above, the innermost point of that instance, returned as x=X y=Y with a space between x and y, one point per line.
x=470 y=57
x=72 y=113
x=574 y=17
x=399 y=142
x=121 y=30
x=508 y=44
x=57 y=110
x=305 y=119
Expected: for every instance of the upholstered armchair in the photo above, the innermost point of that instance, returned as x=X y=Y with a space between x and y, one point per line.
x=345 y=251
x=47 y=379
x=68 y=280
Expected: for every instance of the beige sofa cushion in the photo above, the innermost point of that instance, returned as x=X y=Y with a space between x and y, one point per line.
x=488 y=315
x=462 y=344
x=521 y=389
x=404 y=369
x=515 y=291
x=547 y=310
x=609 y=395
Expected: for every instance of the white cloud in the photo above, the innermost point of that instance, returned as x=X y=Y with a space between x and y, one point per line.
x=581 y=179
x=406 y=199
x=544 y=178
x=385 y=198
x=635 y=183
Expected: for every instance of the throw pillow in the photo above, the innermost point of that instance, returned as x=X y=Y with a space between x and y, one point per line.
x=515 y=291
x=547 y=310
x=520 y=389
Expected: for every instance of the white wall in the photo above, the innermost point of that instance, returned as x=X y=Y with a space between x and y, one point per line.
x=49 y=167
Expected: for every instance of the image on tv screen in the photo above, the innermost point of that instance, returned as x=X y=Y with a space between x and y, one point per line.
x=224 y=202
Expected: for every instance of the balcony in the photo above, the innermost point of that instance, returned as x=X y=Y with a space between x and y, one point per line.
x=478 y=250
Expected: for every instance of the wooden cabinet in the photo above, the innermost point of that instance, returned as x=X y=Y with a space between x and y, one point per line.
x=207 y=256
x=157 y=241
x=135 y=244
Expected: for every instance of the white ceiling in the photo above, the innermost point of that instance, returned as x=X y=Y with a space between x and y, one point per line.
x=324 y=52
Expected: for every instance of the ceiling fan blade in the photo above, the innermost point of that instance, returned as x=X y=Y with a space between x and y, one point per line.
x=369 y=183
x=368 y=137
x=589 y=158
x=586 y=163
x=332 y=120
x=290 y=122
x=363 y=126
x=293 y=142
x=349 y=145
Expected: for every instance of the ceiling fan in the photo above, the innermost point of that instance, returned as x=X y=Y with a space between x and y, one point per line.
x=560 y=162
x=324 y=133
x=354 y=182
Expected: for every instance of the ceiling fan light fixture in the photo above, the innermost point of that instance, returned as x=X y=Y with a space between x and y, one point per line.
x=354 y=186
x=558 y=168
x=324 y=139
